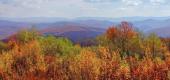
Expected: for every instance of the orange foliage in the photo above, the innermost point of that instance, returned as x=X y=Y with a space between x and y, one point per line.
x=124 y=31
x=27 y=61
x=112 y=32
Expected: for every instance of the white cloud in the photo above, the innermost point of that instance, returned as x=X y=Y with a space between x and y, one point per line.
x=100 y=1
x=157 y=2
x=59 y=8
x=24 y=3
x=132 y=2
x=77 y=8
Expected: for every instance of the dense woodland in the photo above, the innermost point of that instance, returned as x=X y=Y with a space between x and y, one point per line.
x=121 y=53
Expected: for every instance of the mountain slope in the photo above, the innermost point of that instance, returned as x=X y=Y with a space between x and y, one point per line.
x=61 y=26
x=75 y=32
x=163 y=31
x=8 y=28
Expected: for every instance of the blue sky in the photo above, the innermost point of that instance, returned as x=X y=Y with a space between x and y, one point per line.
x=84 y=8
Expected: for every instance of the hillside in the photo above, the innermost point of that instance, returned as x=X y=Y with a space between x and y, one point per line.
x=163 y=31
x=75 y=32
x=8 y=28
x=120 y=54
x=89 y=27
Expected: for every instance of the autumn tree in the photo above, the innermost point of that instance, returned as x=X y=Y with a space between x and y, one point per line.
x=52 y=45
x=121 y=35
x=3 y=46
x=154 y=45
x=25 y=36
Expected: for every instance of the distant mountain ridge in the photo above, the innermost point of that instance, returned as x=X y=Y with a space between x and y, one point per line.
x=74 y=31
x=77 y=28
x=56 y=19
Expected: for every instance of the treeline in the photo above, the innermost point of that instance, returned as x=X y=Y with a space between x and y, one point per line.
x=122 y=53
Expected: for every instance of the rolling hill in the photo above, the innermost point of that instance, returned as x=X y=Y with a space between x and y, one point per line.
x=8 y=27
x=82 y=28
x=163 y=31
x=74 y=31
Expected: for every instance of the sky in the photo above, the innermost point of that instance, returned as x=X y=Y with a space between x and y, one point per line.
x=84 y=8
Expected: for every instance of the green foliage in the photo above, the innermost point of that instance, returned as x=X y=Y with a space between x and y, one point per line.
x=3 y=46
x=55 y=46
x=25 y=36
x=121 y=36
x=154 y=45
x=136 y=46
x=102 y=40
x=130 y=42
x=121 y=54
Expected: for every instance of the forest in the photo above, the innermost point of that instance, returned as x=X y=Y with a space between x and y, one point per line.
x=121 y=53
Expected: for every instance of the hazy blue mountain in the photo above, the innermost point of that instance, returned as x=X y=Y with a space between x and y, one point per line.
x=119 y=19
x=8 y=28
x=74 y=31
x=163 y=31
x=93 y=25
x=96 y=23
x=149 y=24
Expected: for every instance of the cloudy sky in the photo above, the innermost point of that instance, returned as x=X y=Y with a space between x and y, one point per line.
x=84 y=8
